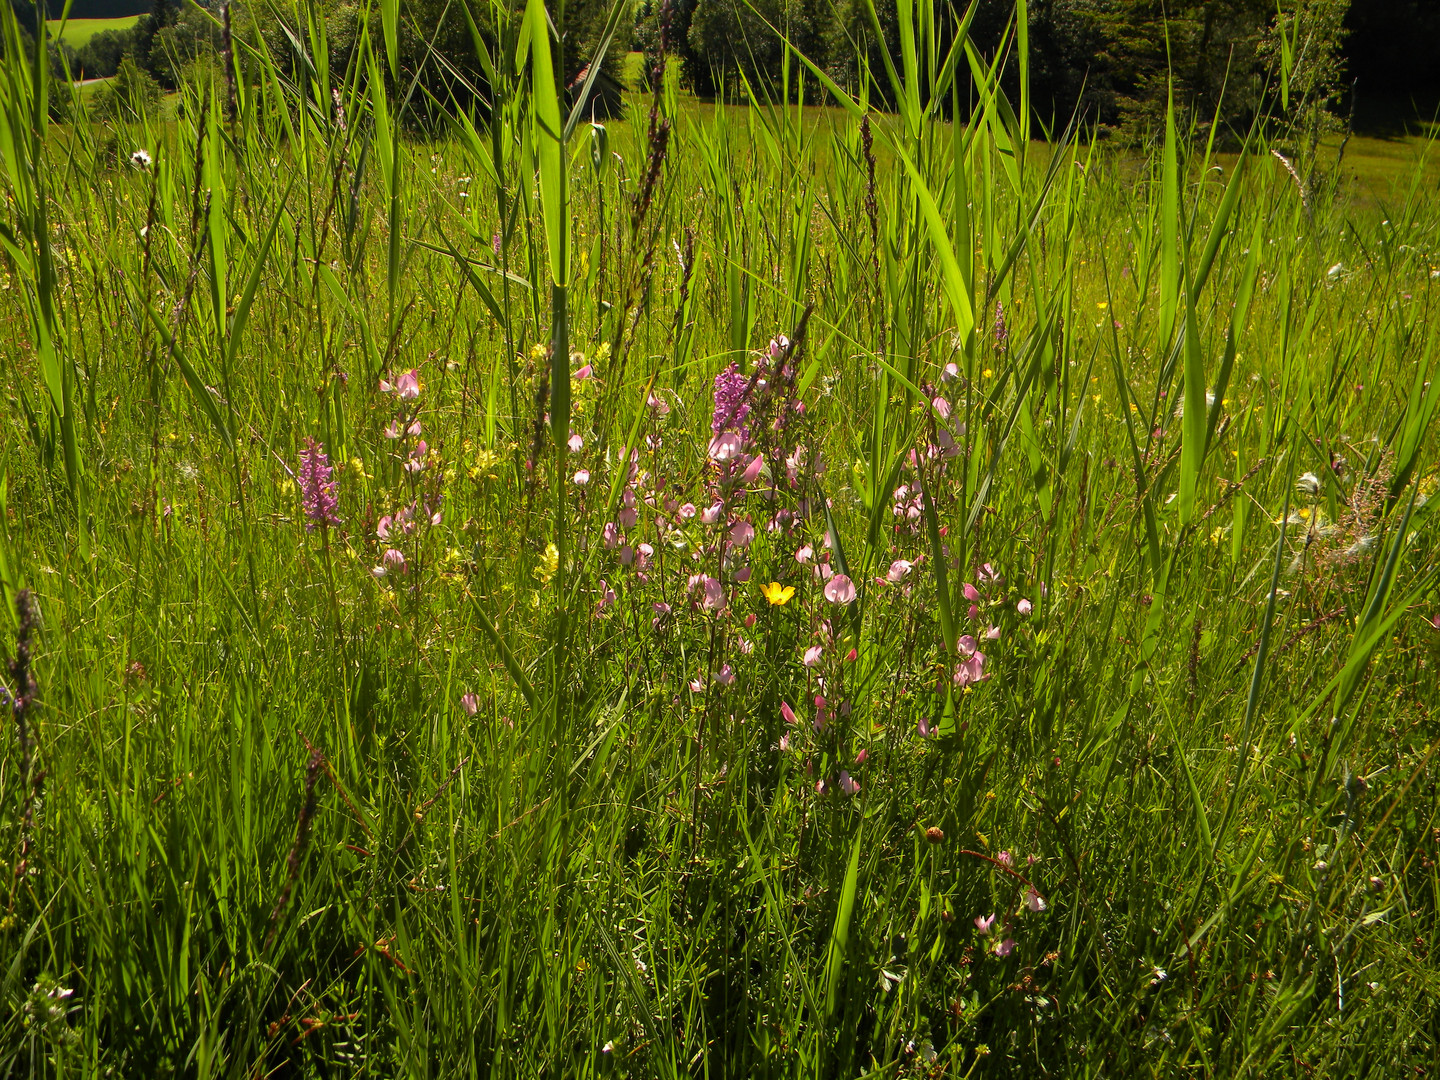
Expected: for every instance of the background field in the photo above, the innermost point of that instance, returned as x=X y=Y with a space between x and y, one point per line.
x=1096 y=737
x=78 y=31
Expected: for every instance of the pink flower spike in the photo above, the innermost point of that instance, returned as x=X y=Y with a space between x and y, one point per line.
x=942 y=407
x=741 y=534
x=1034 y=901
x=840 y=590
x=806 y=553
x=848 y=785
x=983 y=923
x=393 y=559
x=470 y=703
x=687 y=511
x=382 y=527
x=1005 y=948
x=711 y=514
x=1024 y=607
x=610 y=535
x=966 y=645
x=317 y=489
x=899 y=570
x=408 y=385
x=1005 y=859
x=971 y=593
x=787 y=712
x=725 y=676
x=812 y=655
x=993 y=634
x=752 y=471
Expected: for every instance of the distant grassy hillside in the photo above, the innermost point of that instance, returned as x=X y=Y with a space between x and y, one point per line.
x=78 y=31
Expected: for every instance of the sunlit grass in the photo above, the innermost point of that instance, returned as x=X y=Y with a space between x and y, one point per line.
x=1095 y=737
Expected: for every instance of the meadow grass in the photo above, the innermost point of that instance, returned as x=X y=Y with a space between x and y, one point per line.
x=397 y=534
x=76 y=32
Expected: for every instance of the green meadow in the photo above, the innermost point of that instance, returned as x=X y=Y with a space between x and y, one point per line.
x=76 y=32
x=756 y=590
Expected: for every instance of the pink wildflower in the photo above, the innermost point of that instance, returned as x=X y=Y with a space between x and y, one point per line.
x=731 y=408
x=317 y=490
x=840 y=590
x=470 y=703
x=983 y=923
x=787 y=712
x=1034 y=901
x=813 y=654
x=408 y=385
x=714 y=593
x=848 y=785
x=1005 y=948
x=752 y=471
x=1024 y=607
x=726 y=445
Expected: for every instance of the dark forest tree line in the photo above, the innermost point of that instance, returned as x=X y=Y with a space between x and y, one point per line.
x=1113 y=62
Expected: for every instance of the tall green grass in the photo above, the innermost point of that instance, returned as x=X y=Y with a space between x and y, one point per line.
x=478 y=816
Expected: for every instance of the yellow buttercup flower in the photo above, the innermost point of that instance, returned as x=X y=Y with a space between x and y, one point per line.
x=778 y=594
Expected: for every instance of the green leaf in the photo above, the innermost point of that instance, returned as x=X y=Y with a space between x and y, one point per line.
x=840 y=932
